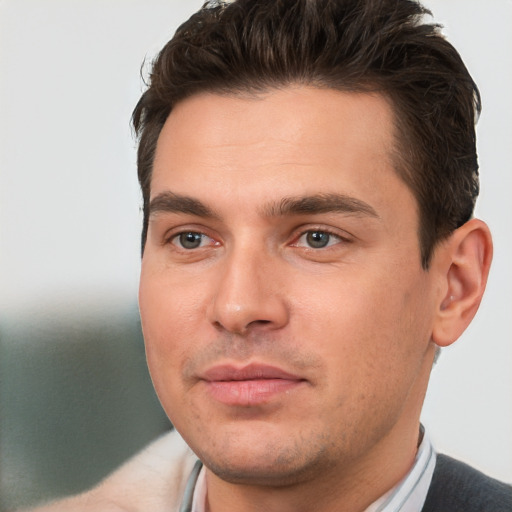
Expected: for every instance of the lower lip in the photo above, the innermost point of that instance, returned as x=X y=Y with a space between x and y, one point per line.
x=247 y=393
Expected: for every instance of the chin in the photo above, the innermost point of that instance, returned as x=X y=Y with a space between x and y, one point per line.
x=268 y=475
x=263 y=463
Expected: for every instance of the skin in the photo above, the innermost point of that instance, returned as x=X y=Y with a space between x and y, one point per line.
x=356 y=322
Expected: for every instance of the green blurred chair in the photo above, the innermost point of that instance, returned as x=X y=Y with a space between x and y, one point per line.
x=76 y=399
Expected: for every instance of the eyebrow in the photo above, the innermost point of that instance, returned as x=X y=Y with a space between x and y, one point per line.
x=169 y=202
x=320 y=203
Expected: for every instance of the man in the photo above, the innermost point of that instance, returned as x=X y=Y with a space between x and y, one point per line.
x=309 y=173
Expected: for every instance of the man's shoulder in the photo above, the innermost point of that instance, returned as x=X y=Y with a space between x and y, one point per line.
x=153 y=479
x=457 y=487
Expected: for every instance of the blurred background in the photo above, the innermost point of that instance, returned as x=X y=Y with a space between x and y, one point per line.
x=75 y=395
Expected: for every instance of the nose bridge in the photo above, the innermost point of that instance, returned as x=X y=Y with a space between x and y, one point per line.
x=247 y=293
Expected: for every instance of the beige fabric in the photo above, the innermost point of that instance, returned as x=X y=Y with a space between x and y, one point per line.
x=153 y=480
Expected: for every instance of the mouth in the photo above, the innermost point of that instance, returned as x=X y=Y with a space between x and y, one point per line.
x=252 y=385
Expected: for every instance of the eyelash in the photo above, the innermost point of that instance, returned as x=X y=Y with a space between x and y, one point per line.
x=323 y=231
x=177 y=240
x=197 y=234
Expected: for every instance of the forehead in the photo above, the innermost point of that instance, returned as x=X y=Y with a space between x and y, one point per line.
x=294 y=118
x=293 y=141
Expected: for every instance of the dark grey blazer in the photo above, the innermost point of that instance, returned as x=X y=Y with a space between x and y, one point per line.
x=457 y=487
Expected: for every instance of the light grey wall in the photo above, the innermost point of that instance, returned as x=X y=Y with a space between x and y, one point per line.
x=469 y=404
x=69 y=218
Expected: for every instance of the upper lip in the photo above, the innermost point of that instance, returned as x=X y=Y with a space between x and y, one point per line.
x=254 y=371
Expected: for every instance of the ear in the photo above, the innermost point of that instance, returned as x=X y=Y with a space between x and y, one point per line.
x=464 y=261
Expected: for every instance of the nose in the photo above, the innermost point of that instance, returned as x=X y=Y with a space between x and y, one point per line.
x=249 y=294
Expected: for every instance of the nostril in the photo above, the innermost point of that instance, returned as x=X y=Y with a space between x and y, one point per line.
x=242 y=329
x=239 y=307
x=260 y=322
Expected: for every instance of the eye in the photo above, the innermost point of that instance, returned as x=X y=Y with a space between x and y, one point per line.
x=191 y=240
x=317 y=239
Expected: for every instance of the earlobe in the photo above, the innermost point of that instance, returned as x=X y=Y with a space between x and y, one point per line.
x=467 y=256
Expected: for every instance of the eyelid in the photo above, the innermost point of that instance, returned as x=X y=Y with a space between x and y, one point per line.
x=343 y=236
x=173 y=233
x=175 y=240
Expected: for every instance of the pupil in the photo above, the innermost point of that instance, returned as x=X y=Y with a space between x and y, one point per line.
x=190 y=240
x=317 y=239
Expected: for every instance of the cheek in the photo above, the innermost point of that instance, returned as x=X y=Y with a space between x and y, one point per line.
x=168 y=305
x=169 y=319
x=366 y=321
x=348 y=307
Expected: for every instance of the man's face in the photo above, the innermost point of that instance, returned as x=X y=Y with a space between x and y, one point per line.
x=286 y=315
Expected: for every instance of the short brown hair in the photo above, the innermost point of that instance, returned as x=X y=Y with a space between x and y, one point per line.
x=349 y=45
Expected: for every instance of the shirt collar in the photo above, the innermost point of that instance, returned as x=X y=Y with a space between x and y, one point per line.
x=407 y=496
x=410 y=493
